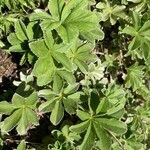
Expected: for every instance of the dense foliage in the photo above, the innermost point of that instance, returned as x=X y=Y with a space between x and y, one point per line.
x=76 y=75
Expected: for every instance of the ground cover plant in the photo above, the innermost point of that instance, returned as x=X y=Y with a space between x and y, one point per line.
x=75 y=74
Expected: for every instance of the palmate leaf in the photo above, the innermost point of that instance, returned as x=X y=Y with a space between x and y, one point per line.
x=20 y=38
x=111 y=12
x=113 y=102
x=134 y=77
x=70 y=19
x=59 y=101
x=67 y=136
x=104 y=125
x=141 y=36
x=23 y=115
x=47 y=53
x=98 y=125
x=80 y=55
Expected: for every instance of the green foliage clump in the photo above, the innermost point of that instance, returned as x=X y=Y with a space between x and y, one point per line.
x=83 y=74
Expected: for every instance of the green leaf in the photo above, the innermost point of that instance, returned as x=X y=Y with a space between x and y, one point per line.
x=145 y=29
x=130 y=30
x=30 y=30
x=39 y=16
x=81 y=65
x=68 y=32
x=141 y=34
x=70 y=105
x=1 y=44
x=47 y=106
x=23 y=115
x=39 y=48
x=72 y=6
x=94 y=34
x=44 y=70
x=55 y=8
x=103 y=106
x=32 y=117
x=111 y=11
x=68 y=76
x=71 y=88
x=13 y=40
x=88 y=139
x=57 y=83
x=16 y=48
x=63 y=59
x=6 y=108
x=49 y=24
x=48 y=39
x=136 y=18
x=69 y=19
x=135 y=43
x=113 y=125
x=28 y=117
x=134 y=77
x=11 y=121
x=80 y=53
x=104 y=137
x=32 y=99
x=83 y=115
x=145 y=47
x=23 y=123
x=20 y=30
x=114 y=100
x=18 y=100
x=57 y=113
x=22 y=145
x=81 y=127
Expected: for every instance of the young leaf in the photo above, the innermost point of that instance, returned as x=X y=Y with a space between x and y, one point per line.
x=111 y=12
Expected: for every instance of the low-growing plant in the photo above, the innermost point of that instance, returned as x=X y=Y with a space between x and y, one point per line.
x=81 y=79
